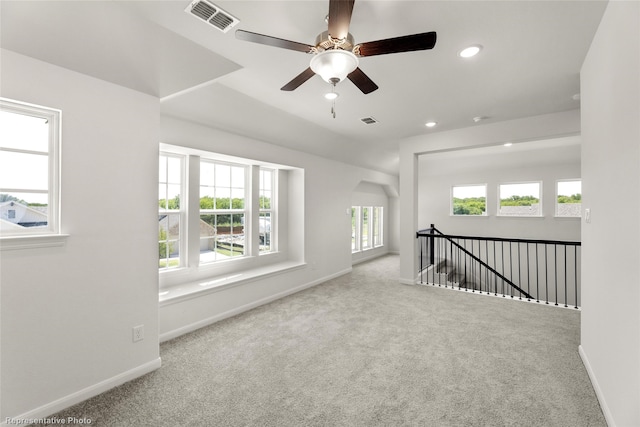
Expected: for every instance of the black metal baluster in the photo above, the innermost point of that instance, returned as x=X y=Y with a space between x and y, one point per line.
x=546 y=273
x=575 y=266
x=511 y=268
x=555 y=259
x=537 y=277
x=566 y=284
x=519 y=269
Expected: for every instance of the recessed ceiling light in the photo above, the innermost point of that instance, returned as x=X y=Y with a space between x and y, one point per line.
x=430 y=124
x=480 y=118
x=470 y=51
x=508 y=144
x=331 y=95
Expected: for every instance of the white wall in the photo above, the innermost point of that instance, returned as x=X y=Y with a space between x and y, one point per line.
x=439 y=172
x=610 y=87
x=327 y=199
x=67 y=312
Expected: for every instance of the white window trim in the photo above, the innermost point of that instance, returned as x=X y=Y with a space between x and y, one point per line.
x=359 y=225
x=273 y=243
x=556 y=199
x=486 y=205
x=540 y=199
x=50 y=236
x=232 y=270
x=182 y=250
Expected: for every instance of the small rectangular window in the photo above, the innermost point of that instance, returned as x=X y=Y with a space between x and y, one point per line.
x=355 y=228
x=29 y=169
x=469 y=199
x=520 y=199
x=377 y=226
x=267 y=212
x=569 y=198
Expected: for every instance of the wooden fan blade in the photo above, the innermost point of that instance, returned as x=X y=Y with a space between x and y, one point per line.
x=410 y=43
x=273 y=41
x=298 y=80
x=362 y=81
x=340 y=18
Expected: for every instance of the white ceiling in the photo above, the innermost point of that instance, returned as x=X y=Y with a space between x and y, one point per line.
x=530 y=64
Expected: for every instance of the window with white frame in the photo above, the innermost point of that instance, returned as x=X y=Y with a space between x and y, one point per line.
x=569 y=198
x=355 y=228
x=367 y=227
x=214 y=212
x=222 y=210
x=267 y=213
x=469 y=199
x=520 y=199
x=377 y=227
x=29 y=169
x=171 y=210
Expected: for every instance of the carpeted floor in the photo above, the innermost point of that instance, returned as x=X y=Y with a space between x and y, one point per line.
x=363 y=350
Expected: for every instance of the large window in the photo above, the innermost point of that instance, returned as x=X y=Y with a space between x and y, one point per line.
x=367 y=227
x=469 y=199
x=171 y=210
x=214 y=210
x=569 y=198
x=29 y=169
x=520 y=199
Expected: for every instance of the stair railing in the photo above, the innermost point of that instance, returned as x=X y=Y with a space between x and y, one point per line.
x=536 y=270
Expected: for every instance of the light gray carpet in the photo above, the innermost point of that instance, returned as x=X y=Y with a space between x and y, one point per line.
x=363 y=350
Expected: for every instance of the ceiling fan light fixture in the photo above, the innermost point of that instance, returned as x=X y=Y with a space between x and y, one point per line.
x=334 y=64
x=331 y=95
x=470 y=51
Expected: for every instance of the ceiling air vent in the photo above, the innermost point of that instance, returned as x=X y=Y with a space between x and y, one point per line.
x=369 y=120
x=213 y=15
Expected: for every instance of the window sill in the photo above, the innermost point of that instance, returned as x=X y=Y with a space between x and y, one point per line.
x=567 y=217
x=12 y=243
x=182 y=292
x=521 y=216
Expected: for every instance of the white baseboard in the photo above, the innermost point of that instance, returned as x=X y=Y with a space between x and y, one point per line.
x=596 y=387
x=241 y=309
x=82 y=395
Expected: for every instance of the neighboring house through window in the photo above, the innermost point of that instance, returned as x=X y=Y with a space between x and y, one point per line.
x=29 y=169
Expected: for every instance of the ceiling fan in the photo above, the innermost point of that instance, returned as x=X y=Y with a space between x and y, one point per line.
x=335 y=56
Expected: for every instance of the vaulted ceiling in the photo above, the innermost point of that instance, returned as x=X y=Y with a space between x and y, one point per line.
x=529 y=65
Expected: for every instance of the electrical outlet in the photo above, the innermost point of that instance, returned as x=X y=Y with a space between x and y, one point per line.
x=138 y=333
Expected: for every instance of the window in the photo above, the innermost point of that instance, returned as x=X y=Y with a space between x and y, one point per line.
x=29 y=169
x=569 y=198
x=377 y=226
x=367 y=227
x=171 y=210
x=222 y=211
x=267 y=214
x=469 y=199
x=520 y=199
x=355 y=228
x=217 y=214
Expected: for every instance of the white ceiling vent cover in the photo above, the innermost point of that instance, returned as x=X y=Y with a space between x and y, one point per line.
x=212 y=14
